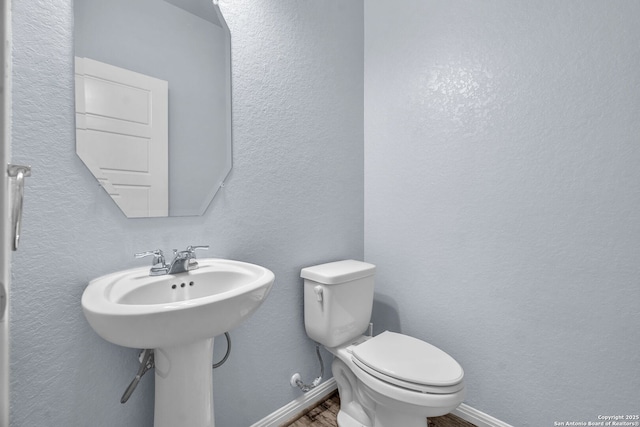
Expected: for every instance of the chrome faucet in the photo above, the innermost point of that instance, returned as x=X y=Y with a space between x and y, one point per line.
x=183 y=261
x=158 y=266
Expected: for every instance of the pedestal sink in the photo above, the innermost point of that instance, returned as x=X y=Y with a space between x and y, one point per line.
x=178 y=316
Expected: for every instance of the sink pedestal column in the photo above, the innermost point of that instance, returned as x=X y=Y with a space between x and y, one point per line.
x=184 y=393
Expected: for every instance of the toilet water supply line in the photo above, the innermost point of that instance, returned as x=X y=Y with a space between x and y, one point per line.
x=147 y=362
x=296 y=379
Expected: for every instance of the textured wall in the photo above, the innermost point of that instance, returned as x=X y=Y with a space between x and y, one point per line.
x=298 y=155
x=501 y=198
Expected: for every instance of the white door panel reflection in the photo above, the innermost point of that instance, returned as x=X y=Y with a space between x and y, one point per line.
x=122 y=135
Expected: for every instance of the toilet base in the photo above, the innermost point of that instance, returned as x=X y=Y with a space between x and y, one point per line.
x=358 y=409
x=393 y=418
x=345 y=420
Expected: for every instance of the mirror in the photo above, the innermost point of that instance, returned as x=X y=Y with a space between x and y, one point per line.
x=153 y=102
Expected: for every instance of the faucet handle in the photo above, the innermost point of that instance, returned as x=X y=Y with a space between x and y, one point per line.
x=192 y=249
x=158 y=256
x=191 y=255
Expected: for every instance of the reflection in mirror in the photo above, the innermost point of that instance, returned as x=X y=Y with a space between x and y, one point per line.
x=153 y=102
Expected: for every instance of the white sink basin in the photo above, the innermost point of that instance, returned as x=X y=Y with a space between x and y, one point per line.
x=132 y=309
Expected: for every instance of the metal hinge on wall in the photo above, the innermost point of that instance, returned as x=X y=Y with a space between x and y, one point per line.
x=18 y=172
x=3 y=301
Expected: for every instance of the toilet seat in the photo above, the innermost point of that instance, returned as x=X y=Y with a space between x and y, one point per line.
x=409 y=363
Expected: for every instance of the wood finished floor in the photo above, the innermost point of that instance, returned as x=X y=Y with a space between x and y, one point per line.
x=325 y=413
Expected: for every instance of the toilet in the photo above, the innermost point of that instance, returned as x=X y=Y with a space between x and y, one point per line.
x=390 y=380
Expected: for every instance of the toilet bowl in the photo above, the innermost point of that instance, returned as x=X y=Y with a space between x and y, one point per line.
x=371 y=397
x=390 y=380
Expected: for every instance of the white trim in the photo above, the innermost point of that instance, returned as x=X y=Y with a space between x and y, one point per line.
x=315 y=396
x=480 y=419
x=5 y=147
x=295 y=407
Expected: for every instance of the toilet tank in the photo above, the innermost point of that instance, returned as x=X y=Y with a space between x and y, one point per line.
x=338 y=298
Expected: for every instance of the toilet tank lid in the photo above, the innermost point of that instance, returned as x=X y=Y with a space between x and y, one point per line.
x=333 y=273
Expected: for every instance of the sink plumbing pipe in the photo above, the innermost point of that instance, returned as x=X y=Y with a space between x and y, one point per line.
x=147 y=362
x=296 y=379
x=226 y=355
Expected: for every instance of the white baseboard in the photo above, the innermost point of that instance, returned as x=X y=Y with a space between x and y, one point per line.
x=315 y=396
x=478 y=418
x=295 y=407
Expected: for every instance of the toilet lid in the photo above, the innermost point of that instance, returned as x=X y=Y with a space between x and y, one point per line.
x=408 y=359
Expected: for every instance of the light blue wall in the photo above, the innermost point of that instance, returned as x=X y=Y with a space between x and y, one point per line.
x=501 y=202
x=293 y=199
x=501 y=198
